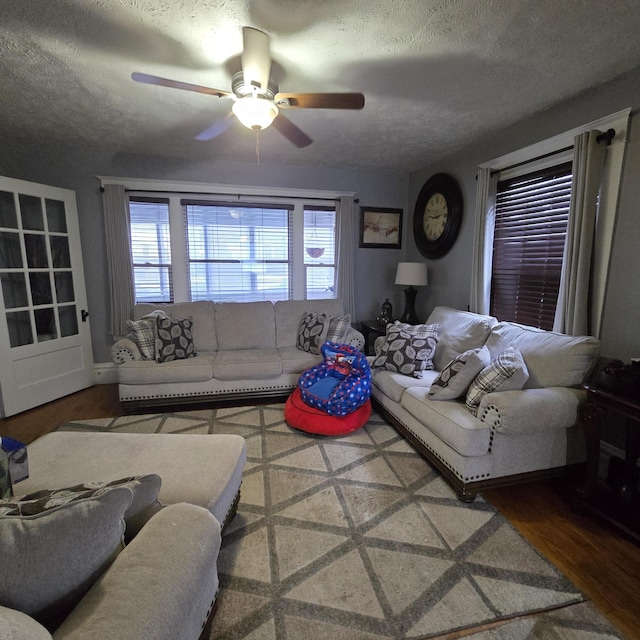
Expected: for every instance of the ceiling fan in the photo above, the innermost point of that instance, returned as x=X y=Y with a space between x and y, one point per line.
x=257 y=100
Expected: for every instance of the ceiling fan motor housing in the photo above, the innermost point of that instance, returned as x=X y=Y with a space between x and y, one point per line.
x=241 y=90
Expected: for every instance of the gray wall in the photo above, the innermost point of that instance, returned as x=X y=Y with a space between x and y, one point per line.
x=450 y=276
x=76 y=169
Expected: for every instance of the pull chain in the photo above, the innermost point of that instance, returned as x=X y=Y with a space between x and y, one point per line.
x=258 y=145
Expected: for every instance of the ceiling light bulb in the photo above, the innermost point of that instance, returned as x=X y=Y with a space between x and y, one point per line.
x=255 y=113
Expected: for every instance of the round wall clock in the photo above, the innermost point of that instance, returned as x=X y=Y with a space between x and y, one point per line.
x=437 y=216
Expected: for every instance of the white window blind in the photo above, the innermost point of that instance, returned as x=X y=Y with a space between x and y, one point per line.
x=320 y=252
x=197 y=247
x=528 y=247
x=151 y=249
x=238 y=253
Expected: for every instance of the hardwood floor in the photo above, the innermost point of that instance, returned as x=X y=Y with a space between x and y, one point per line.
x=99 y=401
x=602 y=562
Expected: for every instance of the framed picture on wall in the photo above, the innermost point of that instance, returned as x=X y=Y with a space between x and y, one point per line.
x=380 y=228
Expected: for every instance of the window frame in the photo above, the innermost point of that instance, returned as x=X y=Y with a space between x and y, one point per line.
x=311 y=262
x=230 y=194
x=543 y=154
x=211 y=260
x=159 y=265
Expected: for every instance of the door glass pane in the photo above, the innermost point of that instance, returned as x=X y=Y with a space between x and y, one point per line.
x=36 y=247
x=60 y=252
x=14 y=290
x=31 y=208
x=8 y=217
x=64 y=286
x=19 y=326
x=45 y=324
x=68 y=321
x=10 y=254
x=40 y=288
x=55 y=216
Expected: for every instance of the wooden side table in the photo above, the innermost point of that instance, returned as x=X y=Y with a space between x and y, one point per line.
x=371 y=329
x=620 y=505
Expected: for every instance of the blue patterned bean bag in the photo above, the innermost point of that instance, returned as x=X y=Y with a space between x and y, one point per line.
x=340 y=384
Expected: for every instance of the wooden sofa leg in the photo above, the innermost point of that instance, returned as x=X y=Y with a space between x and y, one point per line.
x=465 y=494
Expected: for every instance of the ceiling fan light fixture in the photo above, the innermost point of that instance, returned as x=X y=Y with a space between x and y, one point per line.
x=254 y=112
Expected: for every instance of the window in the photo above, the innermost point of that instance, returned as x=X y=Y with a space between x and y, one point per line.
x=319 y=258
x=203 y=249
x=151 y=250
x=528 y=245
x=238 y=254
x=528 y=297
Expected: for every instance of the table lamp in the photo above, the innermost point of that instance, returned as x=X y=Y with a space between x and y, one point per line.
x=413 y=274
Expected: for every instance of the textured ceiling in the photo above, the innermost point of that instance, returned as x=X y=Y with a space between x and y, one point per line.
x=435 y=73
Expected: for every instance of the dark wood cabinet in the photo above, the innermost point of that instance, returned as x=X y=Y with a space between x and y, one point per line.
x=371 y=330
x=616 y=500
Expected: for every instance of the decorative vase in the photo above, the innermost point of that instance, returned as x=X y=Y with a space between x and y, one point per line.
x=386 y=314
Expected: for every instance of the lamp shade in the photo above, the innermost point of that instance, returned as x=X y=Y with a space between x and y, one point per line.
x=413 y=274
x=255 y=113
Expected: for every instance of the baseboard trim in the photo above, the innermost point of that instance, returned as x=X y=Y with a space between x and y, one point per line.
x=105 y=372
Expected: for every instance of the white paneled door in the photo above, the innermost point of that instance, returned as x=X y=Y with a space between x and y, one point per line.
x=45 y=342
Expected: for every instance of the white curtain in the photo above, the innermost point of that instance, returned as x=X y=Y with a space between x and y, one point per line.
x=120 y=266
x=483 y=245
x=346 y=243
x=575 y=313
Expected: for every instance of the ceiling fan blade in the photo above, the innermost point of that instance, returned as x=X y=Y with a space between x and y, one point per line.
x=256 y=58
x=291 y=132
x=175 y=84
x=216 y=129
x=320 y=100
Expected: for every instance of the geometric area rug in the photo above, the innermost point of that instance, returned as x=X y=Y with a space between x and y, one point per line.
x=359 y=538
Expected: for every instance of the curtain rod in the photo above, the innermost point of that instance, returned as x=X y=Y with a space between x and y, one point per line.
x=222 y=195
x=607 y=137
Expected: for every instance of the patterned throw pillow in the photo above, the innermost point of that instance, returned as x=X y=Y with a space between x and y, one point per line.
x=174 y=340
x=506 y=372
x=454 y=380
x=143 y=332
x=338 y=327
x=312 y=332
x=408 y=349
x=418 y=331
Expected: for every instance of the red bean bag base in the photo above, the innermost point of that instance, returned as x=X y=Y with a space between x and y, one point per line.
x=299 y=415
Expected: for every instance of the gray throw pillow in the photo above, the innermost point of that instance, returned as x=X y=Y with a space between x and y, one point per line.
x=506 y=372
x=174 y=339
x=454 y=380
x=145 y=503
x=51 y=559
x=312 y=332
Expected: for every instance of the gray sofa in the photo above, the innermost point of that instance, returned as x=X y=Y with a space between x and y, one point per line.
x=244 y=350
x=67 y=566
x=516 y=434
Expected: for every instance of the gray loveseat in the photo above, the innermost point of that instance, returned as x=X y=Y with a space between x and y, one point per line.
x=514 y=435
x=66 y=566
x=244 y=350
